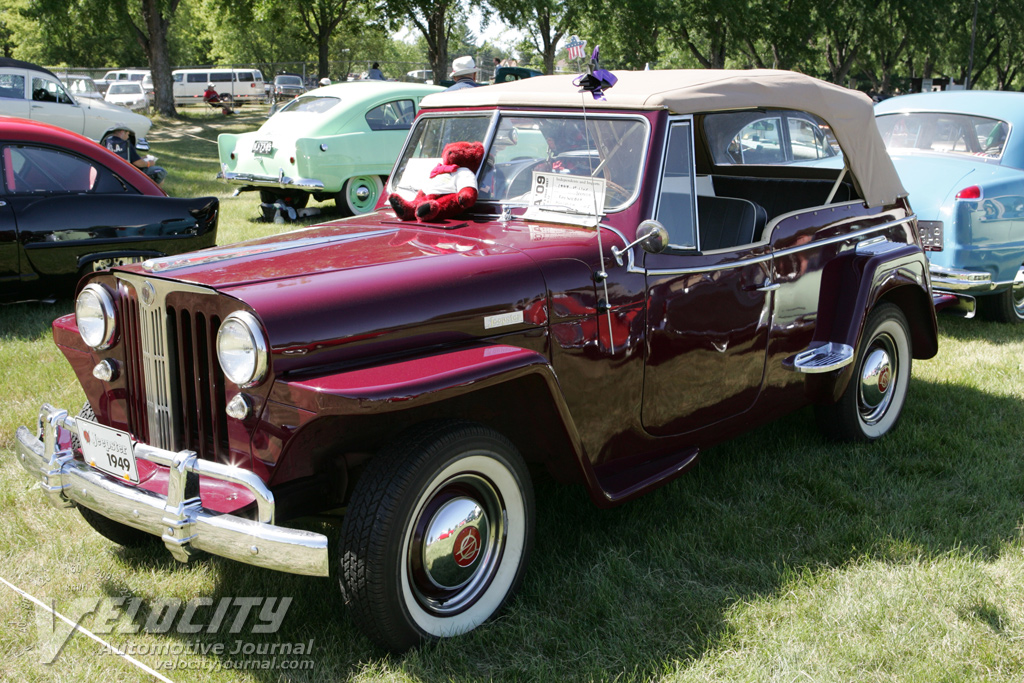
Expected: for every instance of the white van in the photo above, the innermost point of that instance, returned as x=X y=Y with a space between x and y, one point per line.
x=235 y=86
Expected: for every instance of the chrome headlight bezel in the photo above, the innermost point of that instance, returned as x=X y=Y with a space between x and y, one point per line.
x=104 y=303
x=253 y=372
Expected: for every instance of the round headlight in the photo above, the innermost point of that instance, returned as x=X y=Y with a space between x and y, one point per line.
x=241 y=349
x=95 y=316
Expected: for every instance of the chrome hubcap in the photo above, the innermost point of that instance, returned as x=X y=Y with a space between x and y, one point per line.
x=456 y=545
x=1017 y=292
x=362 y=193
x=877 y=376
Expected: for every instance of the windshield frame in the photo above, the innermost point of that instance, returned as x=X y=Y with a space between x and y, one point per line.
x=497 y=115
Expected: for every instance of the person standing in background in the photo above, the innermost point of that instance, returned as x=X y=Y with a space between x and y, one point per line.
x=375 y=74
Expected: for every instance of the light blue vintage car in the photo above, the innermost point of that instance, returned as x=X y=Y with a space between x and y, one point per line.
x=337 y=142
x=961 y=157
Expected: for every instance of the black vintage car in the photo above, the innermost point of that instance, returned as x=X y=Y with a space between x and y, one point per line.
x=69 y=206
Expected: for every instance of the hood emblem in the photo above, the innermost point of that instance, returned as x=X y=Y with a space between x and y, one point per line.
x=148 y=294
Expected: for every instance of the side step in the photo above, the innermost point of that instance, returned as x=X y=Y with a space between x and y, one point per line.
x=824 y=358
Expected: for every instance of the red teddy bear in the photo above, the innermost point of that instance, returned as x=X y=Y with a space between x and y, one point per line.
x=451 y=188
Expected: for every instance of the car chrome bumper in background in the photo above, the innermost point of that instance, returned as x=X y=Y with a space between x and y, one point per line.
x=280 y=180
x=956 y=281
x=179 y=518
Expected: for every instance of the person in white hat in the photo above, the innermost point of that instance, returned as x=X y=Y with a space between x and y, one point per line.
x=463 y=73
x=324 y=82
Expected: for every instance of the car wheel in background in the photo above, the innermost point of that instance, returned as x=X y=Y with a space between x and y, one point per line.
x=1008 y=306
x=873 y=400
x=359 y=195
x=437 y=534
x=297 y=199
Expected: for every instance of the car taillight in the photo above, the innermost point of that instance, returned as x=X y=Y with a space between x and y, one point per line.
x=972 y=192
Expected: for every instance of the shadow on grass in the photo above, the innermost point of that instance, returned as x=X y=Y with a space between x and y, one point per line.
x=31 y=319
x=645 y=588
x=979 y=329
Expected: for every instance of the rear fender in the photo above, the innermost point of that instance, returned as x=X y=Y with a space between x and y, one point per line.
x=856 y=283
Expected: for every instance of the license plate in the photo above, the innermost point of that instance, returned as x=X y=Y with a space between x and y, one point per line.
x=108 y=450
x=262 y=147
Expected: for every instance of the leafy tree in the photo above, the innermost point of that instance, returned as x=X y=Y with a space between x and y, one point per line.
x=547 y=21
x=321 y=19
x=436 y=21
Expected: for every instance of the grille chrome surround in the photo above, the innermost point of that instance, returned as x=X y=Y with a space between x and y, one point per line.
x=176 y=397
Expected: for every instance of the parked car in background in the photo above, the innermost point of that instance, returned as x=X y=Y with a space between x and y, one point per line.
x=287 y=87
x=504 y=74
x=961 y=155
x=235 y=87
x=142 y=76
x=615 y=303
x=128 y=94
x=70 y=207
x=333 y=143
x=32 y=92
x=82 y=87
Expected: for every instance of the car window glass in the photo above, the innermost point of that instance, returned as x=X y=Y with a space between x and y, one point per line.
x=675 y=203
x=396 y=115
x=12 y=86
x=806 y=140
x=767 y=138
x=220 y=78
x=559 y=144
x=197 y=78
x=125 y=89
x=947 y=133
x=45 y=90
x=245 y=77
x=178 y=78
x=29 y=170
x=314 y=105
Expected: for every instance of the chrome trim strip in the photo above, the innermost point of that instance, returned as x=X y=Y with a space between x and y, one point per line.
x=771 y=255
x=278 y=181
x=179 y=518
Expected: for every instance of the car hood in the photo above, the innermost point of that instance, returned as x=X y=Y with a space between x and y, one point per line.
x=338 y=292
x=111 y=114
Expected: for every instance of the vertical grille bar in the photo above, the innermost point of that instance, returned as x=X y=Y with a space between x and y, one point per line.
x=128 y=313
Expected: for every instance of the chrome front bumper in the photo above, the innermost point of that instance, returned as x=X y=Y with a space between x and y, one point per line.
x=179 y=518
x=279 y=181
x=961 y=281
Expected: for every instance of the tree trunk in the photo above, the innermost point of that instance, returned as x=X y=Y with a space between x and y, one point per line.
x=155 y=45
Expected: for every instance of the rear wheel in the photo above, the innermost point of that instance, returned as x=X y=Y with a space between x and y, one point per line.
x=1008 y=306
x=359 y=195
x=873 y=400
x=437 y=534
x=119 y=533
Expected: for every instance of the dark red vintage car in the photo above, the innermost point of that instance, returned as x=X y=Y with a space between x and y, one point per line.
x=69 y=206
x=642 y=277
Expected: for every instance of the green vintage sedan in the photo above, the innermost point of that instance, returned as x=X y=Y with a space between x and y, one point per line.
x=338 y=142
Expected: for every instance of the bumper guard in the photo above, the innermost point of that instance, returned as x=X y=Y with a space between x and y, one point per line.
x=179 y=519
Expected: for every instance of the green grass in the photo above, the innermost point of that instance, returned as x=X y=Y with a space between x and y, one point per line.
x=782 y=557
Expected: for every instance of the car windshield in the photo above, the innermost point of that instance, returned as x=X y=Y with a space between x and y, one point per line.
x=288 y=80
x=311 y=105
x=974 y=136
x=606 y=148
x=125 y=89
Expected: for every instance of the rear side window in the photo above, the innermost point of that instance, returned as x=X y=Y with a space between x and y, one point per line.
x=246 y=77
x=196 y=78
x=32 y=170
x=220 y=78
x=397 y=115
x=12 y=86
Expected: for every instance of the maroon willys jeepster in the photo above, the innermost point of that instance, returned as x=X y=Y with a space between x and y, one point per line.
x=642 y=277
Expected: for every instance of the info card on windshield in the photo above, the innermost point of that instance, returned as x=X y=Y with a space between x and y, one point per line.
x=561 y=198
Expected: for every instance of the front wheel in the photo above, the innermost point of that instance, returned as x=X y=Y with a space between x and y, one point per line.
x=1007 y=306
x=873 y=400
x=437 y=534
x=359 y=195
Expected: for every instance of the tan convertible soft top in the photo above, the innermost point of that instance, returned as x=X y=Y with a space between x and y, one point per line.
x=689 y=91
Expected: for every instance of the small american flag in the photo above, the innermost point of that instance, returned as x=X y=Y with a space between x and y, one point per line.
x=575 y=47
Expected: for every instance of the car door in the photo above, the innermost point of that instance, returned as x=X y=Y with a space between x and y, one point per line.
x=709 y=302
x=52 y=104
x=10 y=270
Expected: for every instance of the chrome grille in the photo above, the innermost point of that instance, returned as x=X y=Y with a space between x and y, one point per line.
x=176 y=395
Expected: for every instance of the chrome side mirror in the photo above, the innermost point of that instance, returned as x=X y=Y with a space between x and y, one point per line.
x=650 y=235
